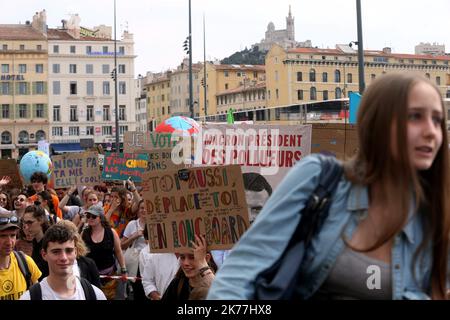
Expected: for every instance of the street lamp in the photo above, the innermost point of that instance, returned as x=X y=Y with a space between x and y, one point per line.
x=116 y=111
x=191 y=98
x=359 y=43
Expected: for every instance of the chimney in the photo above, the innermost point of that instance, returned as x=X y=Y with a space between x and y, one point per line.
x=387 y=50
x=40 y=22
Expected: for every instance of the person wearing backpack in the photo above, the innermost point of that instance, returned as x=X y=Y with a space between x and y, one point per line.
x=17 y=270
x=386 y=235
x=60 y=251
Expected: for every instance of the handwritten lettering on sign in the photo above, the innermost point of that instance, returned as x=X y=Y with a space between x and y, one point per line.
x=76 y=169
x=204 y=200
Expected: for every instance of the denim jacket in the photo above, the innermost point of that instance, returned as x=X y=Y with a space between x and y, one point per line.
x=267 y=238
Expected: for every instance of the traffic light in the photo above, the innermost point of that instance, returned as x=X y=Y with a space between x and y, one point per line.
x=113 y=74
x=202 y=82
x=186 y=45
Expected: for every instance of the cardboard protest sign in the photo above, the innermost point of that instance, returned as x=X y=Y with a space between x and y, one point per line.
x=266 y=150
x=121 y=166
x=136 y=141
x=206 y=201
x=125 y=165
x=76 y=169
x=8 y=167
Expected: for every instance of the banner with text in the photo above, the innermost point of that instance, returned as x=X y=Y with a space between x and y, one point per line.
x=183 y=203
x=136 y=141
x=266 y=150
x=76 y=169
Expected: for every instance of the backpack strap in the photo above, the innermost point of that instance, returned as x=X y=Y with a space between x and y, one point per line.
x=36 y=292
x=23 y=266
x=316 y=210
x=89 y=292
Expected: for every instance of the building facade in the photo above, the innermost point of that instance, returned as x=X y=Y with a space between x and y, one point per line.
x=179 y=89
x=23 y=88
x=82 y=89
x=141 y=104
x=221 y=78
x=250 y=95
x=428 y=48
x=158 y=98
x=301 y=75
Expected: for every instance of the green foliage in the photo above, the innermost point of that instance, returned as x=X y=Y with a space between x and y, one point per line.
x=246 y=56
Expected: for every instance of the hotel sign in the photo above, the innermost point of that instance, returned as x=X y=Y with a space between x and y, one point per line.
x=12 y=77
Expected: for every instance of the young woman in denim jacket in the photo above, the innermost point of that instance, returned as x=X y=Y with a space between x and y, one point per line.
x=389 y=217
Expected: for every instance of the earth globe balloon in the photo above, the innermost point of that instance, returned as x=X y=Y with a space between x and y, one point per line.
x=35 y=161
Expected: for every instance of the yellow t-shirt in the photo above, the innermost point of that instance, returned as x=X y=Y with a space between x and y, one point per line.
x=12 y=281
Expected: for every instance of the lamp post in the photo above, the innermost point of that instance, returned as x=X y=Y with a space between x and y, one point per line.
x=191 y=99
x=360 y=48
x=204 y=67
x=116 y=111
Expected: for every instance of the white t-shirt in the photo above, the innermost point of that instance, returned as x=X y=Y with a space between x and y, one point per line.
x=132 y=227
x=157 y=270
x=49 y=294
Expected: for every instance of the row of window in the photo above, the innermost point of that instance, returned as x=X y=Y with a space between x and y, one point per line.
x=23 y=136
x=90 y=116
x=337 y=77
x=73 y=88
x=23 y=88
x=312 y=76
x=24 y=111
x=22 y=47
x=313 y=94
x=40 y=87
x=88 y=49
x=247 y=96
x=22 y=68
x=56 y=68
x=75 y=131
x=226 y=73
x=89 y=68
x=375 y=59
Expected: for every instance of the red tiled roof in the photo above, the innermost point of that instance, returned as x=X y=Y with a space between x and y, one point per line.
x=56 y=34
x=19 y=32
x=242 y=88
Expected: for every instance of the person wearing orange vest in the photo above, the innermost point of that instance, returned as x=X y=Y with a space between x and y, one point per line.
x=39 y=183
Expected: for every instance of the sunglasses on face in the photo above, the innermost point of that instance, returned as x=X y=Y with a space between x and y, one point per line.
x=20 y=200
x=3 y=199
x=90 y=216
x=6 y=220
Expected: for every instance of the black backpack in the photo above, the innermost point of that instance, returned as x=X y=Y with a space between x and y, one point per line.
x=23 y=266
x=89 y=293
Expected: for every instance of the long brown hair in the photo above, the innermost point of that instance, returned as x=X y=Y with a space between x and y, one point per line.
x=382 y=126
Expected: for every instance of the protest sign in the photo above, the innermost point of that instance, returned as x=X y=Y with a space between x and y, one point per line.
x=136 y=141
x=75 y=169
x=8 y=167
x=267 y=150
x=206 y=201
x=121 y=166
x=336 y=139
x=125 y=165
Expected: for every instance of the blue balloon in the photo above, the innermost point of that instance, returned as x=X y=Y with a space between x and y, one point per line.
x=35 y=161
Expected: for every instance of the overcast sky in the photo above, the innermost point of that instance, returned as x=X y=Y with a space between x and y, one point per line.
x=161 y=26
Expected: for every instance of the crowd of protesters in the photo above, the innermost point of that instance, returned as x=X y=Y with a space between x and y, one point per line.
x=87 y=230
